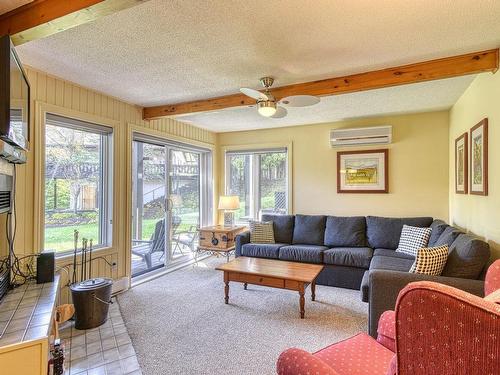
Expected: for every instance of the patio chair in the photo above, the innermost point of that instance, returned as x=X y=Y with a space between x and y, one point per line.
x=155 y=244
x=186 y=238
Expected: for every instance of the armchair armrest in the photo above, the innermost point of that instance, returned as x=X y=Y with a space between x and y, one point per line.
x=386 y=331
x=386 y=285
x=296 y=361
x=241 y=239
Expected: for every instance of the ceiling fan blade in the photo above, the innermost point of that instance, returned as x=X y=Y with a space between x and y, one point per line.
x=257 y=95
x=300 y=100
x=280 y=112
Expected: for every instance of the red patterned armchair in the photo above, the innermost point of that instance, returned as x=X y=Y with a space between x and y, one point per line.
x=436 y=329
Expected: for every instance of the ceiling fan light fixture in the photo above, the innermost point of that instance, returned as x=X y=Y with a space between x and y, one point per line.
x=266 y=108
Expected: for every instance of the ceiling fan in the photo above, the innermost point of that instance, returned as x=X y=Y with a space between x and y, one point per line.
x=267 y=105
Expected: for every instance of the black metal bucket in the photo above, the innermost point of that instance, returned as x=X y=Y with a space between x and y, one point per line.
x=91 y=299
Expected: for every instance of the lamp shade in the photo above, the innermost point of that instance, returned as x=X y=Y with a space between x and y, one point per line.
x=229 y=202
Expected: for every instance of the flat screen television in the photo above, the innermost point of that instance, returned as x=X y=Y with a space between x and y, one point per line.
x=14 y=97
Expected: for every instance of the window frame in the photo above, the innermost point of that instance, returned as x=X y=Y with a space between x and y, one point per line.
x=255 y=193
x=107 y=170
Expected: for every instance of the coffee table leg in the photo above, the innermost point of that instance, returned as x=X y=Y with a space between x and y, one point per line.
x=313 y=291
x=302 y=301
x=226 y=288
x=245 y=285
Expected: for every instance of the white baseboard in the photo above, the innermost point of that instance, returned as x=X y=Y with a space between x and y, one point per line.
x=120 y=285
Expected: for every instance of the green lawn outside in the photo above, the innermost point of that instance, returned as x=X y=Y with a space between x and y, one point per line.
x=61 y=238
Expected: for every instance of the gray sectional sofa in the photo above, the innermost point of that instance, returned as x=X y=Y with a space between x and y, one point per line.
x=359 y=253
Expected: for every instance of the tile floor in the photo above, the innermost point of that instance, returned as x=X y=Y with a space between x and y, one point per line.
x=106 y=350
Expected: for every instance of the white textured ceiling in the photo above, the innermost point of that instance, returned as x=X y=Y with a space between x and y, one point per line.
x=419 y=97
x=166 y=51
x=8 y=5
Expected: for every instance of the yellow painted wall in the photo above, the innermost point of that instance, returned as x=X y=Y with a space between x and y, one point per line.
x=478 y=214
x=71 y=98
x=418 y=166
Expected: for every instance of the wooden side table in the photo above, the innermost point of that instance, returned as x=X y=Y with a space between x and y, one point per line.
x=218 y=240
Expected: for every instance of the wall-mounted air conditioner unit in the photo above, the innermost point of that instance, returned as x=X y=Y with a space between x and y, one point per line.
x=361 y=136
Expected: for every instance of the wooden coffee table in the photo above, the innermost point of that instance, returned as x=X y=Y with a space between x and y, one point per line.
x=272 y=273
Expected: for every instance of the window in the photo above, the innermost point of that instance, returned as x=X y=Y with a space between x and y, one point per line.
x=77 y=182
x=260 y=179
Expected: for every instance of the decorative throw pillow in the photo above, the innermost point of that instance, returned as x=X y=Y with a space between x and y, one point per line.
x=261 y=232
x=412 y=239
x=430 y=261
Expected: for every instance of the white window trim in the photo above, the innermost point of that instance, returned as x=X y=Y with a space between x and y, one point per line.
x=105 y=183
x=228 y=149
x=41 y=111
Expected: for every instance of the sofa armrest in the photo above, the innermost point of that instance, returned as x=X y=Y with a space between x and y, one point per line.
x=297 y=361
x=386 y=285
x=241 y=239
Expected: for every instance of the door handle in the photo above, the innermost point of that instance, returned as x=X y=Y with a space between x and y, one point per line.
x=168 y=204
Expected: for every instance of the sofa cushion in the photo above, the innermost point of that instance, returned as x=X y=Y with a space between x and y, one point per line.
x=359 y=355
x=467 y=258
x=448 y=236
x=392 y=253
x=261 y=250
x=391 y=263
x=438 y=226
x=302 y=253
x=349 y=256
x=283 y=226
x=345 y=231
x=309 y=229
x=384 y=232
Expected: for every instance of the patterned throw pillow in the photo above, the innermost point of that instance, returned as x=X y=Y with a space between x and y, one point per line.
x=412 y=239
x=261 y=232
x=430 y=261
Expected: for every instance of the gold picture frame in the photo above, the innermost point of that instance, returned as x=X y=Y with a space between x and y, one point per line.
x=461 y=164
x=479 y=158
x=363 y=172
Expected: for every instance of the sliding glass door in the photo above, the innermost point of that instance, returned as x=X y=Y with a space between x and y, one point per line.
x=169 y=184
x=184 y=193
x=150 y=210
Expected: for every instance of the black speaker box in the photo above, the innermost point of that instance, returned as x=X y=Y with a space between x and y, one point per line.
x=45 y=267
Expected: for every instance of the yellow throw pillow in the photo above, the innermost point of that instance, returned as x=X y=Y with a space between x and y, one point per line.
x=430 y=260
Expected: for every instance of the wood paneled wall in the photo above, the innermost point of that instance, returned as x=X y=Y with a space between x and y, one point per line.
x=66 y=95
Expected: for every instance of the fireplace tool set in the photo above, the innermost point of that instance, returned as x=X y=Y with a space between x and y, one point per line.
x=91 y=296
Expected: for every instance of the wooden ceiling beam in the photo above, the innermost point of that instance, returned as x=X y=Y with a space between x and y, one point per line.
x=42 y=18
x=471 y=63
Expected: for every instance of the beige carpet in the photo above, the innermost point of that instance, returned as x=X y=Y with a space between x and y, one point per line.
x=179 y=323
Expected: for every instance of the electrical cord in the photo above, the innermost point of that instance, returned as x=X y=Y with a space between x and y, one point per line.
x=13 y=261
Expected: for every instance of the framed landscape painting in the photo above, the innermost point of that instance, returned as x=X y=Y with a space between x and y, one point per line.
x=461 y=164
x=479 y=158
x=363 y=171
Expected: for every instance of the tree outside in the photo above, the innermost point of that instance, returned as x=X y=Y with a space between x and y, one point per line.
x=72 y=172
x=272 y=175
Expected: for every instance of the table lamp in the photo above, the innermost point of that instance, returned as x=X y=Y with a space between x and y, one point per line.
x=229 y=203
